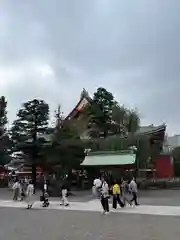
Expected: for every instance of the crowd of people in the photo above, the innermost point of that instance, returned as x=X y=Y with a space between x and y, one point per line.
x=23 y=190
x=123 y=193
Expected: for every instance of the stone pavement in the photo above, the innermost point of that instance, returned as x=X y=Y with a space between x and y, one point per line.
x=149 y=197
x=19 y=224
x=95 y=206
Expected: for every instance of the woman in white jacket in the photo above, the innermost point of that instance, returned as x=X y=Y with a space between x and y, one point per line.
x=30 y=195
x=105 y=197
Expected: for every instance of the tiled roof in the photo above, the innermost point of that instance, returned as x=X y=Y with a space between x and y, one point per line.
x=110 y=159
x=84 y=95
x=151 y=129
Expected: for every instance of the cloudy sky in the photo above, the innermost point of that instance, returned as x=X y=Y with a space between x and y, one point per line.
x=54 y=49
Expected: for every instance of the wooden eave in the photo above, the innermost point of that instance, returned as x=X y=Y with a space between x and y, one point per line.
x=75 y=111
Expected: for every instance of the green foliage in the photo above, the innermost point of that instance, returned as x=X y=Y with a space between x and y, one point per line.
x=4 y=146
x=116 y=143
x=110 y=118
x=100 y=110
x=176 y=157
x=126 y=121
x=133 y=122
x=32 y=119
x=176 y=154
x=120 y=114
x=65 y=150
x=119 y=119
x=3 y=112
x=143 y=152
x=18 y=132
x=4 y=139
x=67 y=147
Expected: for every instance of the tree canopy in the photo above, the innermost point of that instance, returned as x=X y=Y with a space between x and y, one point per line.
x=108 y=117
x=32 y=120
x=100 y=110
x=176 y=157
x=4 y=138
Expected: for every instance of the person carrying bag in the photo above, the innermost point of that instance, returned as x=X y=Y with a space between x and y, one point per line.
x=116 y=196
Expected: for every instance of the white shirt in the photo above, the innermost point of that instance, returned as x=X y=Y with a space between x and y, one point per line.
x=16 y=185
x=45 y=187
x=105 y=189
x=30 y=190
x=133 y=186
x=97 y=183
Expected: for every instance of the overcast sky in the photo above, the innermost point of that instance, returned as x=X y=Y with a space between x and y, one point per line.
x=52 y=49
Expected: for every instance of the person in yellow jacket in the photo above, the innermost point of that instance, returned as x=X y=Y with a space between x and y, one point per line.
x=116 y=195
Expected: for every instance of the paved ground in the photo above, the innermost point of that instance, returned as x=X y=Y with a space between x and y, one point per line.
x=20 y=224
x=81 y=196
x=157 y=218
x=149 y=197
x=95 y=206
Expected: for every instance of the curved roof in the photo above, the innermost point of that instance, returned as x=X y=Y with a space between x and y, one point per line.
x=84 y=100
x=151 y=129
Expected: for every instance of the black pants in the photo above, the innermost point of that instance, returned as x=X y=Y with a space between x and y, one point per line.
x=105 y=204
x=116 y=199
x=134 y=198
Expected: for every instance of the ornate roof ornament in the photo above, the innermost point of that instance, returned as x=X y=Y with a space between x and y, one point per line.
x=84 y=94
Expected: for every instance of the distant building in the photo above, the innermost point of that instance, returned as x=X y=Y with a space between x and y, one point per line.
x=173 y=141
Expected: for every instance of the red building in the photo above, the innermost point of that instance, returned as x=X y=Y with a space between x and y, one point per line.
x=163 y=164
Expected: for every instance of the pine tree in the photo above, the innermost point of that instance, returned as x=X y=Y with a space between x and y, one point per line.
x=32 y=121
x=100 y=110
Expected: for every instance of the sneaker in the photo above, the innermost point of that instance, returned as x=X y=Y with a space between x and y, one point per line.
x=103 y=212
x=106 y=213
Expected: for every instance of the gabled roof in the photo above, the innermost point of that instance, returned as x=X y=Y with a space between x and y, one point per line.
x=84 y=97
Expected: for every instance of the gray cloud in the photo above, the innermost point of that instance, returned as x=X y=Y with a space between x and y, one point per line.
x=52 y=49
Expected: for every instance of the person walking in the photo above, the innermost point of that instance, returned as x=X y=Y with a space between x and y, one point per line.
x=16 y=190
x=22 y=190
x=64 y=192
x=30 y=195
x=104 y=197
x=97 y=184
x=45 y=195
x=125 y=192
x=116 y=195
x=134 y=190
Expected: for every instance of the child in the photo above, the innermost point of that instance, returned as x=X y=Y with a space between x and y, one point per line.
x=116 y=195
